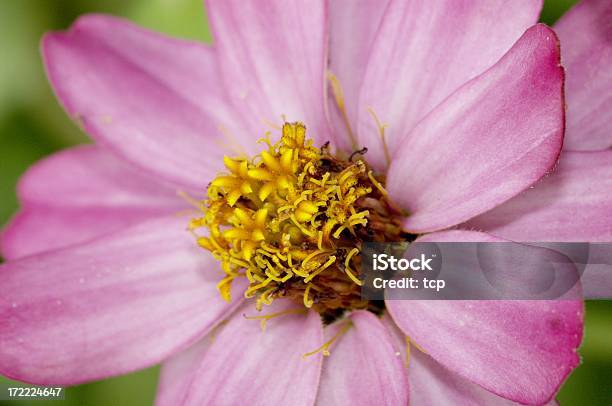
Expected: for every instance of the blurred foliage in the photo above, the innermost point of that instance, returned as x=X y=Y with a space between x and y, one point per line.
x=32 y=125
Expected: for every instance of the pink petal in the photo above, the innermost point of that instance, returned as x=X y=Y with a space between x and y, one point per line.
x=114 y=305
x=577 y=190
x=586 y=47
x=78 y=194
x=37 y=229
x=520 y=350
x=353 y=26
x=425 y=51
x=272 y=57
x=245 y=365
x=571 y=204
x=597 y=280
x=89 y=175
x=178 y=371
x=487 y=142
x=459 y=236
x=363 y=367
x=431 y=383
x=156 y=101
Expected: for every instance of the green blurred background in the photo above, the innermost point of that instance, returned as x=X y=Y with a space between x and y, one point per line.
x=32 y=125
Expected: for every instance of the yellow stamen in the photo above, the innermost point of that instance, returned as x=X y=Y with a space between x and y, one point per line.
x=347 y=267
x=285 y=220
x=376 y=183
x=271 y=124
x=224 y=288
x=254 y=288
x=410 y=343
x=407 y=351
x=308 y=302
x=189 y=199
x=265 y=317
x=381 y=132
x=324 y=349
x=327 y=264
x=418 y=347
x=232 y=143
x=339 y=98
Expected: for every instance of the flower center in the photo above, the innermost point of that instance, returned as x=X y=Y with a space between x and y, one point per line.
x=292 y=221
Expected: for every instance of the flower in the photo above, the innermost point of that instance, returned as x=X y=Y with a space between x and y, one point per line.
x=461 y=108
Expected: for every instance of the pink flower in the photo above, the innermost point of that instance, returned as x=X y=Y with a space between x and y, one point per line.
x=102 y=278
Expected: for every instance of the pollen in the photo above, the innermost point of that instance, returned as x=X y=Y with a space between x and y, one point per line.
x=292 y=221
